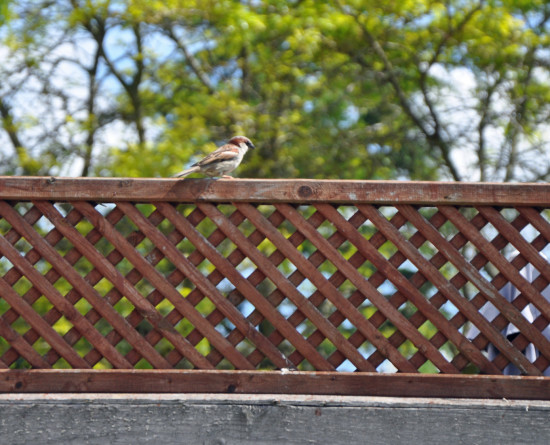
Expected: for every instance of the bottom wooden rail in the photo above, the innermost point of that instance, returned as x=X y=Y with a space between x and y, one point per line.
x=275 y=382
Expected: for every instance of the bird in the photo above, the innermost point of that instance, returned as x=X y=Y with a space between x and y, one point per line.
x=223 y=160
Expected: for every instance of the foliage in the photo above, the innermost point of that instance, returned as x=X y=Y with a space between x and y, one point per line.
x=419 y=89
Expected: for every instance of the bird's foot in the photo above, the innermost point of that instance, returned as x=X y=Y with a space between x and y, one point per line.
x=227 y=177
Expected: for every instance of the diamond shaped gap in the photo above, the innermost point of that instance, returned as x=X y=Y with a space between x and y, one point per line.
x=286 y=347
x=82 y=346
x=347 y=249
x=62 y=326
x=126 y=227
x=84 y=227
x=146 y=248
x=184 y=327
x=23 y=246
x=103 y=286
x=42 y=305
x=449 y=350
x=388 y=249
x=225 y=327
x=286 y=267
x=347 y=288
x=205 y=267
x=184 y=364
x=326 y=229
x=428 y=368
x=386 y=367
x=368 y=229
x=103 y=327
x=226 y=247
x=408 y=309
x=387 y=288
x=83 y=266
x=63 y=208
x=529 y=233
x=306 y=248
x=166 y=228
x=306 y=210
x=164 y=266
x=266 y=247
x=165 y=307
x=21 y=286
x=407 y=349
x=144 y=327
x=206 y=227
x=246 y=228
x=164 y=347
x=347 y=211
x=61 y=363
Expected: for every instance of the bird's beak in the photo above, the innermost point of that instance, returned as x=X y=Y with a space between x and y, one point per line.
x=250 y=145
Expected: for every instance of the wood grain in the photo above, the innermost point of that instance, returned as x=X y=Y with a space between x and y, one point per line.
x=272 y=190
x=275 y=382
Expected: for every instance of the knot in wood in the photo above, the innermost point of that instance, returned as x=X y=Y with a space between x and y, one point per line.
x=305 y=191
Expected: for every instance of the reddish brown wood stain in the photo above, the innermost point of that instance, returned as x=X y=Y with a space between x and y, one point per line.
x=334 y=215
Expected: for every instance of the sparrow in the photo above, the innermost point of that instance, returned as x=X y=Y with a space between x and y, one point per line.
x=221 y=161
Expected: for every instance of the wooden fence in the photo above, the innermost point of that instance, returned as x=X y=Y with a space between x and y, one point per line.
x=273 y=286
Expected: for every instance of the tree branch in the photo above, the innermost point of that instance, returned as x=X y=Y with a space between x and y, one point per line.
x=434 y=137
x=193 y=62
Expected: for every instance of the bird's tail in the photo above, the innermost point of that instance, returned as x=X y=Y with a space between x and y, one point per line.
x=186 y=172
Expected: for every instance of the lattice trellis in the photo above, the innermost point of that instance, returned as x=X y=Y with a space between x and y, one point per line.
x=250 y=285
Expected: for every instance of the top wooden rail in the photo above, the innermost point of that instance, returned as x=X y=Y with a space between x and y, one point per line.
x=273 y=190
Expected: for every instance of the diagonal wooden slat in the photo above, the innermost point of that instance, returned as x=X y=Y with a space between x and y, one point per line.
x=506 y=308
x=155 y=297
x=402 y=284
x=45 y=330
x=433 y=274
x=234 y=276
x=278 y=278
x=215 y=277
x=93 y=277
x=317 y=298
x=417 y=279
x=500 y=322
x=143 y=306
x=106 y=310
x=255 y=278
x=359 y=281
x=243 y=286
x=72 y=256
x=527 y=251
x=13 y=275
x=195 y=296
x=469 y=271
x=438 y=260
x=68 y=310
x=126 y=288
x=478 y=300
x=182 y=263
x=330 y=293
x=276 y=297
x=21 y=346
x=269 y=270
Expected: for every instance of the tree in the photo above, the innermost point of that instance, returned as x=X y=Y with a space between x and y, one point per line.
x=357 y=90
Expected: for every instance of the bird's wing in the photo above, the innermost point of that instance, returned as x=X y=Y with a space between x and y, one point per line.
x=226 y=152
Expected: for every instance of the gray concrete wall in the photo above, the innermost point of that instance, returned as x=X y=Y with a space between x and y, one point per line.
x=249 y=419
